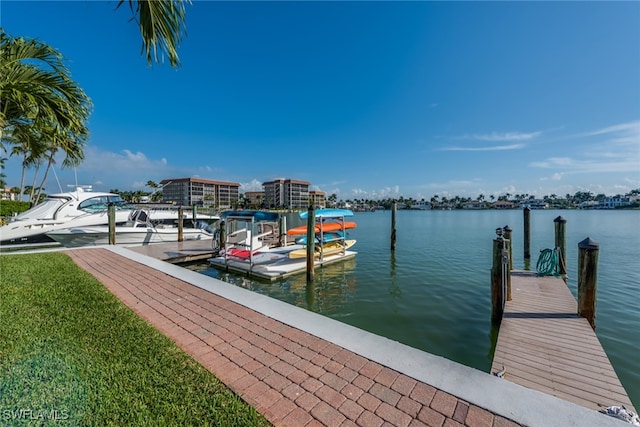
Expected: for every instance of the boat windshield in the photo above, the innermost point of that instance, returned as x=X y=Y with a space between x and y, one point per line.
x=45 y=210
x=101 y=204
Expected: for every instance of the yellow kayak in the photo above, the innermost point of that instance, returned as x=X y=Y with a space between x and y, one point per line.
x=331 y=248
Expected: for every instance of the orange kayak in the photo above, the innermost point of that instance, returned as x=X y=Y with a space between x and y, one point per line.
x=327 y=226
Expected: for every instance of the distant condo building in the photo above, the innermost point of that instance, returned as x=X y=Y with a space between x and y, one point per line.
x=200 y=192
x=287 y=193
x=254 y=198
x=318 y=199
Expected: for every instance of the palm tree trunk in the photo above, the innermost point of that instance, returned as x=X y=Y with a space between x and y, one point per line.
x=33 y=185
x=22 y=177
x=44 y=178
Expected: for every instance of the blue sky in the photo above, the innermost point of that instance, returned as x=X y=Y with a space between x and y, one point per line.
x=362 y=99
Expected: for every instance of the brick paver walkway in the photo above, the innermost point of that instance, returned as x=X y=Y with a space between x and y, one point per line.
x=290 y=376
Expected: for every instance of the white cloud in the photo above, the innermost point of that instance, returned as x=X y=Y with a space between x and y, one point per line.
x=126 y=169
x=509 y=189
x=506 y=136
x=517 y=139
x=552 y=162
x=613 y=149
x=97 y=161
x=624 y=130
x=253 y=185
x=632 y=182
x=385 y=192
x=491 y=148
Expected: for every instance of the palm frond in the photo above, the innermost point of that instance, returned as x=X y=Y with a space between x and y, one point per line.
x=162 y=26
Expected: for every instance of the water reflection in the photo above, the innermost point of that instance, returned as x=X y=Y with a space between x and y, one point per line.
x=394 y=289
x=331 y=293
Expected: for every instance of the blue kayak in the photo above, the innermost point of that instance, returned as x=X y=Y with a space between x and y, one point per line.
x=331 y=236
x=328 y=213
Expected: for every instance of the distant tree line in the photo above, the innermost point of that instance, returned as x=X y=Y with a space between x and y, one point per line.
x=554 y=201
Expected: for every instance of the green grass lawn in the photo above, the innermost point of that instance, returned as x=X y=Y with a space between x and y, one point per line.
x=71 y=352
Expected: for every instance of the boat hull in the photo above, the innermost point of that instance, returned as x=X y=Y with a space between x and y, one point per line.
x=29 y=232
x=278 y=269
x=126 y=236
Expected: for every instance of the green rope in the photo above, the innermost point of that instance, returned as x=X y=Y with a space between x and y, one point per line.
x=548 y=263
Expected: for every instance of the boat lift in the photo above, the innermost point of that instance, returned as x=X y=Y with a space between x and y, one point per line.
x=244 y=242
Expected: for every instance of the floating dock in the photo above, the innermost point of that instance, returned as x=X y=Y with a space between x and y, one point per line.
x=545 y=346
x=276 y=270
x=179 y=252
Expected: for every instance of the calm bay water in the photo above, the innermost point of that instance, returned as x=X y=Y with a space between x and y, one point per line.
x=434 y=292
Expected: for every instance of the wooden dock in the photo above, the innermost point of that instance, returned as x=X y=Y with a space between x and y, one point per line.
x=543 y=345
x=178 y=252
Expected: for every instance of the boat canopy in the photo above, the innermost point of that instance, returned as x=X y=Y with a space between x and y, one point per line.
x=327 y=213
x=247 y=215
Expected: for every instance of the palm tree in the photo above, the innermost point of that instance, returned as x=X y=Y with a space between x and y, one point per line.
x=42 y=109
x=37 y=88
x=156 y=191
x=70 y=144
x=3 y=183
x=162 y=25
x=26 y=144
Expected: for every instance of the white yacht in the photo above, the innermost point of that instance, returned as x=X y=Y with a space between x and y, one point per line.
x=63 y=210
x=141 y=229
x=79 y=208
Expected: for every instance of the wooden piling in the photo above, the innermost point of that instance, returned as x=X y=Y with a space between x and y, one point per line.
x=527 y=233
x=588 y=279
x=393 y=226
x=112 y=223
x=194 y=213
x=282 y=227
x=222 y=235
x=508 y=245
x=311 y=238
x=560 y=241
x=180 y=224
x=497 y=286
x=310 y=295
x=507 y=235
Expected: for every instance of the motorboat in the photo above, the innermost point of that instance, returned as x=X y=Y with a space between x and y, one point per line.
x=139 y=230
x=81 y=207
